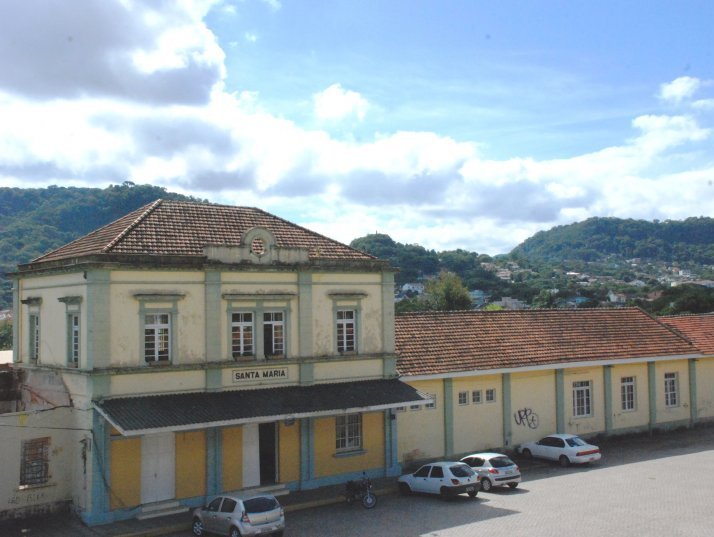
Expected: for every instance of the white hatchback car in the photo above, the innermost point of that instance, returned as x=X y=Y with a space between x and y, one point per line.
x=446 y=478
x=494 y=469
x=237 y=516
x=564 y=448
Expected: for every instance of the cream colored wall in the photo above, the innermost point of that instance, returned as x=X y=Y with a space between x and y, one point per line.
x=65 y=472
x=596 y=422
x=371 y=319
x=681 y=411
x=341 y=370
x=705 y=388
x=53 y=316
x=157 y=381
x=533 y=406
x=640 y=416
x=477 y=426
x=420 y=433
x=189 y=326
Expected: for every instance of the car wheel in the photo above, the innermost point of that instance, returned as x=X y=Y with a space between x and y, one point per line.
x=197 y=527
x=234 y=532
x=278 y=533
x=527 y=454
x=404 y=489
x=564 y=461
x=513 y=485
x=486 y=484
x=472 y=493
x=444 y=492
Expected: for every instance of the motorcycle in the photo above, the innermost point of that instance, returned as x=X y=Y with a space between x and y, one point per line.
x=361 y=490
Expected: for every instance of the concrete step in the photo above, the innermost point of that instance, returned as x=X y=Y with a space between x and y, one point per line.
x=159 y=509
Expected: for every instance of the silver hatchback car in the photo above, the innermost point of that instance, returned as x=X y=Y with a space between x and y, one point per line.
x=237 y=516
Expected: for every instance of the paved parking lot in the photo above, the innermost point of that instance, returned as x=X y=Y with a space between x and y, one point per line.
x=662 y=485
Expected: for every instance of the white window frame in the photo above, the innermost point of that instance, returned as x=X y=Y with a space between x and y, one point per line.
x=671 y=389
x=628 y=394
x=35 y=463
x=582 y=399
x=491 y=395
x=348 y=432
x=35 y=337
x=346 y=334
x=477 y=397
x=74 y=339
x=432 y=401
x=242 y=330
x=277 y=337
x=463 y=398
x=157 y=332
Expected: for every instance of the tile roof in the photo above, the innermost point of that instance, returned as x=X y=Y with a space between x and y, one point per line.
x=184 y=411
x=697 y=328
x=432 y=343
x=167 y=227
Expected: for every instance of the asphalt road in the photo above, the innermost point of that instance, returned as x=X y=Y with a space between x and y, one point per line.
x=644 y=486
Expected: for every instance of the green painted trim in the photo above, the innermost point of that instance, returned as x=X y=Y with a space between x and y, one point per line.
x=389 y=366
x=652 y=389
x=448 y=417
x=560 y=400
x=607 y=384
x=214 y=462
x=212 y=319
x=98 y=319
x=307 y=373
x=388 y=312
x=307 y=443
x=101 y=386
x=693 y=405
x=17 y=321
x=305 y=343
x=219 y=461
x=391 y=446
x=507 y=410
x=100 y=466
x=214 y=378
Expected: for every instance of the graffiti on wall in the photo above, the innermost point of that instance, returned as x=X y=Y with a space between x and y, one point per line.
x=526 y=417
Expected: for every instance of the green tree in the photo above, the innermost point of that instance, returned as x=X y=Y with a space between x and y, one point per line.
x=447 y=293
x=5 y=336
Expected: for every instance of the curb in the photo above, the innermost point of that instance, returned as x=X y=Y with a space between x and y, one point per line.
x=174 y=528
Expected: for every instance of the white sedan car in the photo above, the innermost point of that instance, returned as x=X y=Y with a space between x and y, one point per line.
x=565 y=448
x=494 y=469
x=446 y=478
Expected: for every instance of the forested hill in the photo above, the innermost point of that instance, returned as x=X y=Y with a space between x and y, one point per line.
x=682 y=241
x=34 y=221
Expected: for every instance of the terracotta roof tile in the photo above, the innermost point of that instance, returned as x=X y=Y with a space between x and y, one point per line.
x=697 y=328
x=431 y=343
x=167 y=227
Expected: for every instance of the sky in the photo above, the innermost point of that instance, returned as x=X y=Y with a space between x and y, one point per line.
x=450 y=124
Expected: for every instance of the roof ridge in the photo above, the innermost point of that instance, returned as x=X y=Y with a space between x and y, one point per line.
x=131 y=226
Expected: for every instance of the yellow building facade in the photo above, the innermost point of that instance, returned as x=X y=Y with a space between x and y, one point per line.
x=209 y=349
x=499 y=379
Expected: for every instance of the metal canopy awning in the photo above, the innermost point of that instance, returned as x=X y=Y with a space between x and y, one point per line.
x=133 y=416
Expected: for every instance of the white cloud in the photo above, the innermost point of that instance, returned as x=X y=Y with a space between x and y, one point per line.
x=119 y=114
x=679 y=89
x=336 y=103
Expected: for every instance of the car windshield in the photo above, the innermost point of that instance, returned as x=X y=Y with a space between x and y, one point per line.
x=501 y=462
x=260 y=504
x=461 y=470
x=575 y=441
